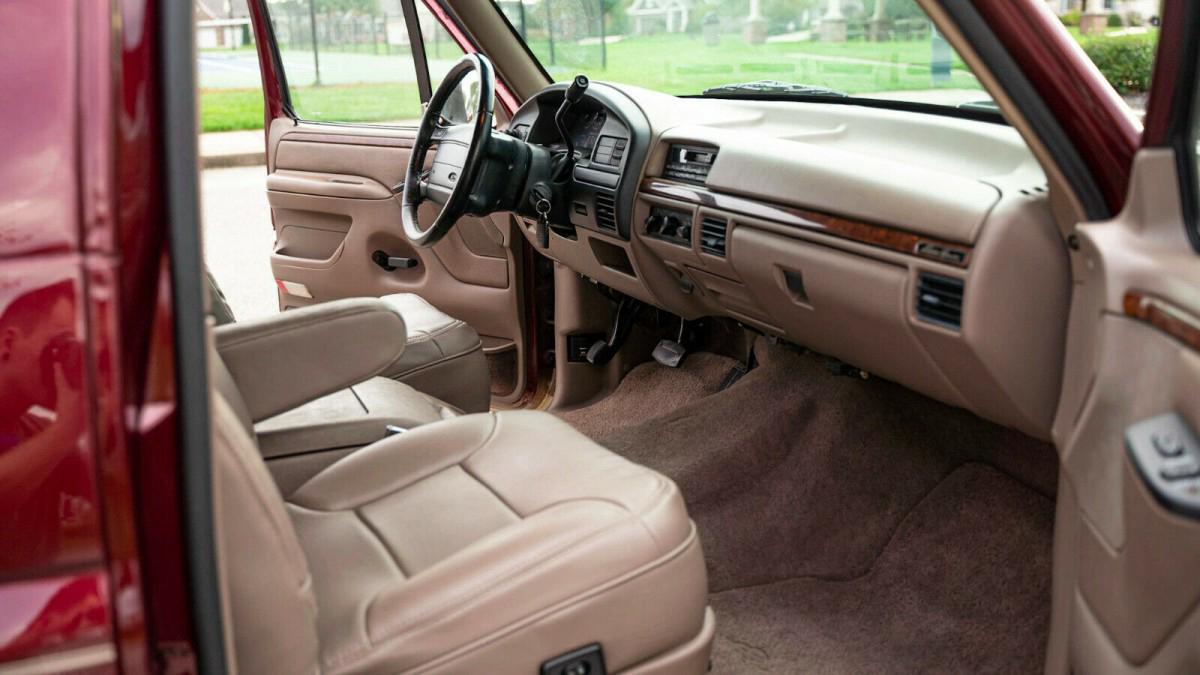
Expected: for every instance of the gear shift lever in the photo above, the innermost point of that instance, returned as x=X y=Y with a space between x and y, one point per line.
x=574 y=92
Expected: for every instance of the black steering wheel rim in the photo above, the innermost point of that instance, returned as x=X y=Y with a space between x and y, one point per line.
x=417 y=185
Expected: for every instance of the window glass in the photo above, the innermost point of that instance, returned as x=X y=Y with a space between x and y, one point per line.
x=351 y=61
x=877 y=49
x=885 y=48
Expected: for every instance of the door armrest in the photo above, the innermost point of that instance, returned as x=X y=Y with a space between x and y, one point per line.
x=288 y=359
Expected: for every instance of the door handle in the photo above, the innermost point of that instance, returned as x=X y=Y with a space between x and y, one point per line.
x=392 y=263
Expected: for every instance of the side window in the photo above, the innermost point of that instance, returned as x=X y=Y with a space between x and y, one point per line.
x=352 y=60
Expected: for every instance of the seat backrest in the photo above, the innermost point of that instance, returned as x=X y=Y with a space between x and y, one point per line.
x=264 y=572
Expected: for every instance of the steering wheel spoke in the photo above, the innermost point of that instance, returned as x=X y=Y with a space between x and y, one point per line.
x=462 y=149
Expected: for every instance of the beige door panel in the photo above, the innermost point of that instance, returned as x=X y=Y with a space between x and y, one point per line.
x=1126 y=588
x=330 y=188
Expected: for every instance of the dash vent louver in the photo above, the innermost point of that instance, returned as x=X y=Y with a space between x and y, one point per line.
x=713 y=233
x=940 y=300
x=606 y=211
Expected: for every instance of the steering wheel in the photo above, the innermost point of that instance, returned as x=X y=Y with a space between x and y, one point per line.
x=461 y=153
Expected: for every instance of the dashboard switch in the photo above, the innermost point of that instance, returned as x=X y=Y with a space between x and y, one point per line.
x=1167 y=444
x=1187 y=468
x=1173 y=479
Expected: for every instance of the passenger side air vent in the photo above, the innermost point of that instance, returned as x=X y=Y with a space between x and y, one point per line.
x=940 y=300
x=606 y=211
x=713 y=232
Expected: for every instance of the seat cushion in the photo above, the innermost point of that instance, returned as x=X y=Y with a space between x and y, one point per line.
x=491 y=543
x=443 y=356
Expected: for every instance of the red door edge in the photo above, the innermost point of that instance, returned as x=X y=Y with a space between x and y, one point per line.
x=1098 y=123
x=1165 y=81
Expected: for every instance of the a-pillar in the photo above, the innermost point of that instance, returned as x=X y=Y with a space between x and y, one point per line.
x=833 y=25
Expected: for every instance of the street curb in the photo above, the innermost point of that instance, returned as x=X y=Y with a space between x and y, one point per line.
x=230 y=161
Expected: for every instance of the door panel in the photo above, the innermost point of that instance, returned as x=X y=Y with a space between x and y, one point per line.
x=330 y=191
x=1126 y=588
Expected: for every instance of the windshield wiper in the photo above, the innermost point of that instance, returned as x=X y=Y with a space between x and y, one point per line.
x=773 y=88
x=982 y=105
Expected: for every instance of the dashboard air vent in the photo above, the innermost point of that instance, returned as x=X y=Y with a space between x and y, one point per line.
x=940 y=300
x=606 y=211
x=713 y=232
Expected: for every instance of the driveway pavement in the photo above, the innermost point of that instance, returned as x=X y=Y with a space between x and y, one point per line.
x=238 y=237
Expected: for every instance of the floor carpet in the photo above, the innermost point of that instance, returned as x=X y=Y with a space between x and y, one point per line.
x=846 y=522
x=651 y=390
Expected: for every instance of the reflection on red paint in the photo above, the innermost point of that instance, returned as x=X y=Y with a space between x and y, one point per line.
x=39 y=615
x=48 y=509
x=39 y=207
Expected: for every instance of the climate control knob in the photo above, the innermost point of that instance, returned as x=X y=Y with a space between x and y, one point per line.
x=671 y=226
x=654 y=224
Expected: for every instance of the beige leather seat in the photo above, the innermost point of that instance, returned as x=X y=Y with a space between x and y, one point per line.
x=487 y=543
x=437 y=373
x=443 y=356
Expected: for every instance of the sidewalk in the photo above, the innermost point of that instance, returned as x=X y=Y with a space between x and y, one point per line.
x=225 y=149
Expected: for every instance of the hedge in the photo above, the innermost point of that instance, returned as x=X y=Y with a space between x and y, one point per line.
x=1126 y=61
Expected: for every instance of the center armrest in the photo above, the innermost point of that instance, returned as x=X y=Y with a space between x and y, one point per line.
x=288 y=359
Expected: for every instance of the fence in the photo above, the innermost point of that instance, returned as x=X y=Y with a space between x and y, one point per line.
x=378 y=34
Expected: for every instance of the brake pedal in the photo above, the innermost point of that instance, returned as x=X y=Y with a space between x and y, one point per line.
x=669 y=353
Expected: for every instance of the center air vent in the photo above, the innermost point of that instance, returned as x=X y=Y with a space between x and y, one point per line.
x=606 y=214
x=940 y=300
x=713 y=232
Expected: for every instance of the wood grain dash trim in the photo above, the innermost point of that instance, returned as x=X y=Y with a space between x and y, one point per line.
x=894 y=239
x=1174 y=321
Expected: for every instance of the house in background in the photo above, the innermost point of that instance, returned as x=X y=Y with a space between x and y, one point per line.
x=221 y=23
x=1141 y=9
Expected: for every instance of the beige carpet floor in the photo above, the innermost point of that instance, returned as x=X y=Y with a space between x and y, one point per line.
x=849 y=526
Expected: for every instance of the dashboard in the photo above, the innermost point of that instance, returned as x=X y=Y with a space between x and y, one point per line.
x=920 y=248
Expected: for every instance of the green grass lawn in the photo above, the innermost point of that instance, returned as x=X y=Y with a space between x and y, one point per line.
x=681 y=64
x=235 y=109
x=671 y=63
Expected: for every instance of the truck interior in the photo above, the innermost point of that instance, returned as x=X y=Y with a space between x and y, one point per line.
x=571 y=371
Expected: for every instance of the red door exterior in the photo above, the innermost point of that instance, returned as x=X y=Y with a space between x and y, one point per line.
x=86 y=357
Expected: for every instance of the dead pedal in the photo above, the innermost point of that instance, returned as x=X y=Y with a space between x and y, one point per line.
x=735 y=373
x=669 y=353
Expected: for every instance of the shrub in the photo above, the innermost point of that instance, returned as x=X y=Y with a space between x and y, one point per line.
x=1135 y=19
x=1071 y=18
x=1115 y=21
x=1126 y=61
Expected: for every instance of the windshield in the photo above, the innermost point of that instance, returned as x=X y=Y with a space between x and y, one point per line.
x=883 y=49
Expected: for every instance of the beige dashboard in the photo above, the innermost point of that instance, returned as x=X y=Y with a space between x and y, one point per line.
x=917 y=247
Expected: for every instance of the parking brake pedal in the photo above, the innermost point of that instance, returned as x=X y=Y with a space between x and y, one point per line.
x=670 y=353
x=602 y=351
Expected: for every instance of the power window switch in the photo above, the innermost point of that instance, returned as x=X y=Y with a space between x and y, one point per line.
x=1167 y=443
x=1187 y=468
